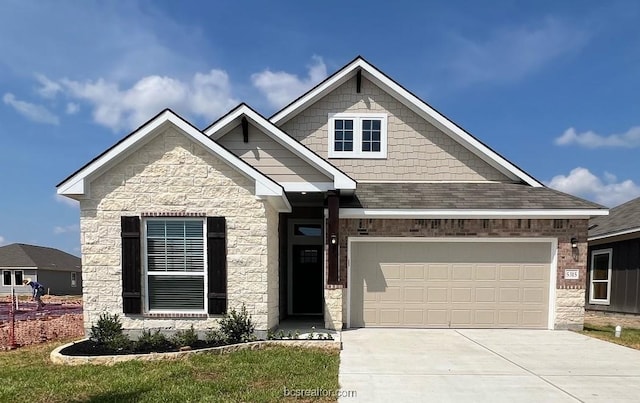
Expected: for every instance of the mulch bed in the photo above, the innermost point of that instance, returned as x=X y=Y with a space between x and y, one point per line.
x=91 y=348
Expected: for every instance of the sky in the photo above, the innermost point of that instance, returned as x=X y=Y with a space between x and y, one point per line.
x=552 y=86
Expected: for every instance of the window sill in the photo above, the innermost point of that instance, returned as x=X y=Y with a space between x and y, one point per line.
x=175 y=315
x=599 y=302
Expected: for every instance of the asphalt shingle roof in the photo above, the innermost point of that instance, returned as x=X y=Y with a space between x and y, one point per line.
x=621 y=218
x=41 y=257
x=479 y=196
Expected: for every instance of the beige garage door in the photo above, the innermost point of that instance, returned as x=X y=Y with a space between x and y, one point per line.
x=450 y=284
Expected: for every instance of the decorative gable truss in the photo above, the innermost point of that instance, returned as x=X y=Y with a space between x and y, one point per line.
x=359 y=68
x=243 y=115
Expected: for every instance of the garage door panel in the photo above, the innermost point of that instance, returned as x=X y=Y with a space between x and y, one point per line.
x=414 y=294
x=437 y=294
x=461 y=272
x=438 y=272
x=423 y=284
x=486 y=272
x=461 y=294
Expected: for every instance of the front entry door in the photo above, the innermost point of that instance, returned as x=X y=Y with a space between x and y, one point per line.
x=307 y=279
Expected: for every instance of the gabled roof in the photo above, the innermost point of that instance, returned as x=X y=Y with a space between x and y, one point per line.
x=412 y=102
x=77 y=185
x=21 y=255
x=232 y=119
x=622 y=220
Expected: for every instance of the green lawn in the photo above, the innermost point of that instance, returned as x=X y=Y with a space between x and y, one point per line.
x=246 y=376
x=629 y=337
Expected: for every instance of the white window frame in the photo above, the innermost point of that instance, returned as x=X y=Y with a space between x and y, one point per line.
x=593 y=300
x=357 y=135
x=74 y=279
x=145 y=267
x=12 y=277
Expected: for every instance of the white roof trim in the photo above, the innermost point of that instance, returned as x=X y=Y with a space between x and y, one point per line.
x=413 y=103
x=77 y=185
x=614 y=234
x=222 y=127
x=469 y=214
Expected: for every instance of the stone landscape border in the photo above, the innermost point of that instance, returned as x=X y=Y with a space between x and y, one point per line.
x=57 y=357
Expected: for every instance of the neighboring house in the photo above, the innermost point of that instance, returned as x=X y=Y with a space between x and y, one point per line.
x=58 y=271
x=357 y=201
x=614 y=260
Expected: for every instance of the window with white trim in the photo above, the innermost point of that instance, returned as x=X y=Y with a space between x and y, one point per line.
x=357 y=135
x=175 y=265
x=12 y=277
x=600 y=277
x=74 y=282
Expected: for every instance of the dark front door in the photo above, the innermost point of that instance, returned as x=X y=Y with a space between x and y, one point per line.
x=307 y=279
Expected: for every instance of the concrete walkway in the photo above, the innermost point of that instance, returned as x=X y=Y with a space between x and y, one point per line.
x=407 y=365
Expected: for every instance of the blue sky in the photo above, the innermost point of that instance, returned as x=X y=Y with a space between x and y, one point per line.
x=552 y=86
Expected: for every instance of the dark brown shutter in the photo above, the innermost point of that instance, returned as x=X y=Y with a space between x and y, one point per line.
x=131 y=265
x=217 y=259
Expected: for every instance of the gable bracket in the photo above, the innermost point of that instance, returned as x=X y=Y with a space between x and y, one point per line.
x=245 y=129
x=358 y=80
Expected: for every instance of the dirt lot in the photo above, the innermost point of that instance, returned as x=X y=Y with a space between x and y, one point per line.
x=60 y=318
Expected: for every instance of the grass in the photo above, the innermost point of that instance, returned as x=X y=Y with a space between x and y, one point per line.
x=243 y=376
x=629 y=337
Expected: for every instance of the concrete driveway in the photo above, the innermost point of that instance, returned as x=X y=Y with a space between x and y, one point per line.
x=407 y=365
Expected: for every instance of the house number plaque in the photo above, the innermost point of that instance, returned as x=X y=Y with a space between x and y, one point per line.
x=571 y=274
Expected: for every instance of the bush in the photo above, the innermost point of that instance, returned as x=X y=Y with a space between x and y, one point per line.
x=107 y=332
x=183 y=338
x=153 y=342
x=237 y=327
x=215 y=338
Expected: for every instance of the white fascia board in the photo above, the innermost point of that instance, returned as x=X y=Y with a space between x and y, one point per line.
x=222 y=127
x=310 y=97
x=614 y=234
x=264 y=186
x=413 y=103
x=469 y=214
x=446 y=125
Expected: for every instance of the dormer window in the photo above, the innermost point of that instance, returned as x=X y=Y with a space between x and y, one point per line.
x=357 y=135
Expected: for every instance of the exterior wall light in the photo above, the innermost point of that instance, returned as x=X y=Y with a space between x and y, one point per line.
x=334 y=239
x=574 y=243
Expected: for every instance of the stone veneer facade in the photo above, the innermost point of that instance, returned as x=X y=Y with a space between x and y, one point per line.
x=172 y=175
x=570 y=294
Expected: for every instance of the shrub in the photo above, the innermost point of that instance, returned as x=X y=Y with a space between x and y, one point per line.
x=107 y=332
x=215 y=338
x=237 y=327
x=183 y=338
x=152 y=342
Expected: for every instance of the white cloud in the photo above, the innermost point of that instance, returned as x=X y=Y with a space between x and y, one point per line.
x=281 y=87
x=65 y=229
x=510 y=54
x=36 y=113
x=72 y=108
x=2 y=240
x=65 y=200
x=49 y=89
x=207 y=95
x=607 y=191
x=590 y=139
